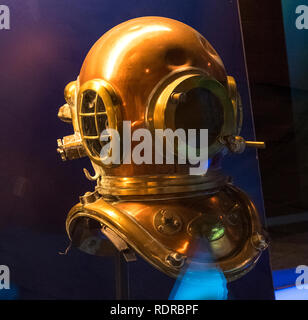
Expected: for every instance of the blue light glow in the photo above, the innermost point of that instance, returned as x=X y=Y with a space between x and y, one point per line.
x=9 y=294
x=291 y=293
x=200 y=281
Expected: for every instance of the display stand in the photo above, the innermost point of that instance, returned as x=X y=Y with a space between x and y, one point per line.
x=121 y=276
x=104 y=243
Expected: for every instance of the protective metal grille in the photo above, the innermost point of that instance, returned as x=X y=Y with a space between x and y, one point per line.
x=93 y=121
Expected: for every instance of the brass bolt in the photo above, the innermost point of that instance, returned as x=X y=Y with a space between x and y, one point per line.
x=89 y=197
x=259 y=241
x=176 y=222
x=178 y=97
x=176 y=259
x=60 y=150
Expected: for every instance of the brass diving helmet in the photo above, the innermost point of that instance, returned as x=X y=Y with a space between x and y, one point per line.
x=160 y=74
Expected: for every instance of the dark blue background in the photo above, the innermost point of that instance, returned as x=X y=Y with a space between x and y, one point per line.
x=41 y=53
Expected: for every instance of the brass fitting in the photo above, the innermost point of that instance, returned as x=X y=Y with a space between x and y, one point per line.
x=71 y=147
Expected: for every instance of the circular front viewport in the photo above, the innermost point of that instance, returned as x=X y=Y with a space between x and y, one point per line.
x=200 y=109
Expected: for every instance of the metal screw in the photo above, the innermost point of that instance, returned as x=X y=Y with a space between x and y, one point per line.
x=175 y=259
x=259 y=241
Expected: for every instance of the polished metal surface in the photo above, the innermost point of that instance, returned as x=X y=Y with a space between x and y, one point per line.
x=227 y=221
x=159 y=73
x=135 y=57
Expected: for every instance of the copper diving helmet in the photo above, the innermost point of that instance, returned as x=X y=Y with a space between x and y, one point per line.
x=158 y=73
